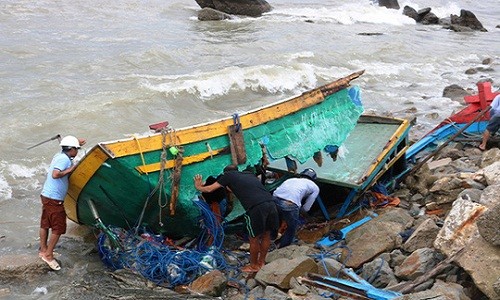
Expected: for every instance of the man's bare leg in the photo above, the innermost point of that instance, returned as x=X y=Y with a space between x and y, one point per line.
x=49 y=253
x=44 y=234
x=254 y=255
x=486 y=137
x=264 y=248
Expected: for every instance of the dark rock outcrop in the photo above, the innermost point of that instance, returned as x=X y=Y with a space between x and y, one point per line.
x=455 y=92
x=466 y=19
x=411 y=12
x=252 y=8
x=393 y=4
x=210 y=14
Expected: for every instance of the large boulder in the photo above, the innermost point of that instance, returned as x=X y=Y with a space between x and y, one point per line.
x=480 y=259
x=280 y=271
x=466 y=19
x=393 y=4
x=252 y=8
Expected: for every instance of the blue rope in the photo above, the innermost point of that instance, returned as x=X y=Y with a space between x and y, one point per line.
x=166 y=265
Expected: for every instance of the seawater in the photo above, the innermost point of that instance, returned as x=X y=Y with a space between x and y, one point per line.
x=105 y=71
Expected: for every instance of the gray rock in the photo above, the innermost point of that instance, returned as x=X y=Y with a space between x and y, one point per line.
x=280 y=271
x=392 y=4
x=492 y=173
x=430 y=19
x=330 y=267
x=422 y=237
x=252 y=8
x=471 y=194
x=397 y=257
x=418 y=263
x=291 y=251
x=379 y=273
x=273 y=293
x=467 y=19
x=210 y=14
x=488 y=227
x=455 y=93
x=490 y=196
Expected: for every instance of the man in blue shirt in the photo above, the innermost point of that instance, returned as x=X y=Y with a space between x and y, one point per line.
x=289 y=197
x=493 y=123
x=52 y=196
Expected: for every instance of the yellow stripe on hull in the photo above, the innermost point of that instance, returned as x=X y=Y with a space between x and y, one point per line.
x=144 y=169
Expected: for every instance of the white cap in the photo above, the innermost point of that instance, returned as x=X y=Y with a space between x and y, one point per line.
x=70 y=141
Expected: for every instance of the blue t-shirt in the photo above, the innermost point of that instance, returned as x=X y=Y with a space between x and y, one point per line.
x=57 y=188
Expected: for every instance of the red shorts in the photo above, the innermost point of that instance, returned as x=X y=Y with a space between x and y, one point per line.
x=53 y=215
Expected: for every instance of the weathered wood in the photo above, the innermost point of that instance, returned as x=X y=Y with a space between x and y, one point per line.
x=342 y=83
x=237 y=142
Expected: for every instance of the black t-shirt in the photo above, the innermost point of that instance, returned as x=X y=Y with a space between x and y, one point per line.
x=246 y=187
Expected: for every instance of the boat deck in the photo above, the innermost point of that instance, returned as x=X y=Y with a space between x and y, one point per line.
x=374 y=146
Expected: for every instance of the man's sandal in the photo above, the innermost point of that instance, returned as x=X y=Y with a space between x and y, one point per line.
x=53 y=264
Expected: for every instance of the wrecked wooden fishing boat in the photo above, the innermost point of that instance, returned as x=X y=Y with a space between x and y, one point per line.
x=147 y=181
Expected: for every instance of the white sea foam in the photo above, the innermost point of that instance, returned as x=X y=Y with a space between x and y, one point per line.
x=294 y=77
x=5 y=189
x=349 y=13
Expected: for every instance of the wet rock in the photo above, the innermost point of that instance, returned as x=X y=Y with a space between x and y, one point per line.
x=210 y=14
x=422 y=237
x=22 y=266
x=466 y=19
x=100 y=285
x=280 y=271
x=418 y=263
x=430 y=19
x=211 y=284
x=488 y=227
x=392 y=4
x=411 y=12
x=252 y=8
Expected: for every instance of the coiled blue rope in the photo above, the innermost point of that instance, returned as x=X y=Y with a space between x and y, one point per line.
x=166 y=265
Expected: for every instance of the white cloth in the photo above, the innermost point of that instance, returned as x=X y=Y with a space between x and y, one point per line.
x=296 y=189
x=495 y=106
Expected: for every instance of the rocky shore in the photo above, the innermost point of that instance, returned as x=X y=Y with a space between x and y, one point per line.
x=441 y=242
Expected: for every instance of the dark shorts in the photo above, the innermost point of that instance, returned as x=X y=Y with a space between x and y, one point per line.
x=53 y=215
x=261 y=218
x=493 y=124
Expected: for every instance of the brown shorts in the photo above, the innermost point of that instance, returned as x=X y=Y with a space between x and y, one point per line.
x=53 y=215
